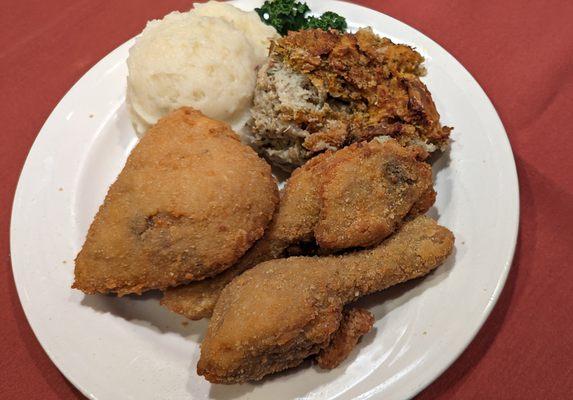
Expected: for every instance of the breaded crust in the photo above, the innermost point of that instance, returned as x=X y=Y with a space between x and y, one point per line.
x=366 y=195
x=190 y=201
x=354 y=197
x=356 y=322
x=282 y=311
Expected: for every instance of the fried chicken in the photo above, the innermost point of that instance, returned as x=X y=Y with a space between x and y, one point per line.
x=190 y=201
x=197 y=300
x=324 y=90
x=355 y=197
x=355 y=323
x=361 y=206
x=282 y=311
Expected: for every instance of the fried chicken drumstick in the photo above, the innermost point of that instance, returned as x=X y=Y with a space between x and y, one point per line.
x=188 y=204
x=355 y=197
x=282 y=311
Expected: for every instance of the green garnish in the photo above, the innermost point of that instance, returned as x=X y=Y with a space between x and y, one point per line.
x=328 y=20
x=283 y=15
x=290 y=15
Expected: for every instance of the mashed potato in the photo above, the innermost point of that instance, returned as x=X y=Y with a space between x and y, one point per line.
x=249 y=23
x=205 y=58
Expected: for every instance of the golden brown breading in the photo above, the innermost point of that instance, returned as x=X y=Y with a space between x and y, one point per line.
x=197 y=300
x=366 y=196
x=293 y=222
x=188 y=204
x=282 y=311
x=356 y=322
x=355 y=197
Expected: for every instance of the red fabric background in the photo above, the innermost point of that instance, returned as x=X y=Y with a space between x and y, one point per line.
x=521 y=52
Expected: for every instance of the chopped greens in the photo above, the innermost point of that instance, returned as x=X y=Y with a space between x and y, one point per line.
x=290 y=15
x=283 y=15
x=328 y=20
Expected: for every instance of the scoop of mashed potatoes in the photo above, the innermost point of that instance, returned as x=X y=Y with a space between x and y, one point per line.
x=249 y=23
x=205 y=58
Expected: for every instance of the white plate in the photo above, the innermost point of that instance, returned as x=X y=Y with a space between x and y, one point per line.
x=131 y=348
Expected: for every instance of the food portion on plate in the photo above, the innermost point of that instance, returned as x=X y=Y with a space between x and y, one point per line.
x=323 y=90
x=354 y=197
x=196 y=213
x=190 y=201
x=205 y=58
x=281 y=312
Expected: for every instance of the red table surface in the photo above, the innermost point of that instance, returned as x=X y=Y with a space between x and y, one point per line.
x=521 y=52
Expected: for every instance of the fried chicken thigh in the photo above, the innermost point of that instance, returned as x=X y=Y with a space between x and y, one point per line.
x=354 y=197
x=282 y=311
x=190 y=201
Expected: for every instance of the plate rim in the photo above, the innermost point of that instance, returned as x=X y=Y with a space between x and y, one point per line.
x=514 y=199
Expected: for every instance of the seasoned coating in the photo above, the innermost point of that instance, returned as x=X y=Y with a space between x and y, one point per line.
x=324 y=90
x=282 y=311
x=190 y=201
x=293 y=222
x=360 y=208
x=355 y=323
x=355 y=197
x=197 y=299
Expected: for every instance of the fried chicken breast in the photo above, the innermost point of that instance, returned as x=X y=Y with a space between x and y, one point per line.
x=190 y=201
x=282 y=311
x=324 y=90
x=354 y=197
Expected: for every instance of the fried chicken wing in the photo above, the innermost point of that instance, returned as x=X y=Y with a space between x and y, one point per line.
x=190 y=201
x=282 y=311
x=355 y=197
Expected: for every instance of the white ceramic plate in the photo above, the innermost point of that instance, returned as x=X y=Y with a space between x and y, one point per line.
x=131 y=348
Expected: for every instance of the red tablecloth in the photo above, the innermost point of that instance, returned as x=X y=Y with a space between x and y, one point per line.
x=521 y=52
